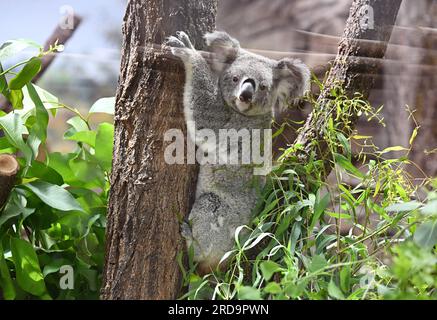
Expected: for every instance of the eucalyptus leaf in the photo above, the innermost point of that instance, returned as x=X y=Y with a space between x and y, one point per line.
x=343 y=162
x=404 y=207
x=335 y=291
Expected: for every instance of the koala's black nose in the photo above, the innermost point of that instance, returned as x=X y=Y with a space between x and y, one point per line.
x=247 y=91
x=246 y=96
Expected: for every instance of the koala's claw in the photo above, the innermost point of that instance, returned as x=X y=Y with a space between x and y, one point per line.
x=185 y=39
x=180 y=45
x=174 y=42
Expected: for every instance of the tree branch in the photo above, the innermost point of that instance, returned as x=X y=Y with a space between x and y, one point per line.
x=8 y=171
x=350 y=71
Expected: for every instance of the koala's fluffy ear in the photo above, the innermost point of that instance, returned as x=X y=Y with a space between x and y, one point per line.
x=224 y=49
x=292 y=78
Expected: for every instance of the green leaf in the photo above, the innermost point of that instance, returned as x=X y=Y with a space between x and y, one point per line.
x=323 y=242
x=334 y=291
x=104 y=145
x=6 y=283
x=88 y=137
x=16 y=98
x=273 y=288
x=12 y=47
x=5 y=146
x=337 y=215
x=104 y=105
x=3 y=82
x=60 y=163
x=29 y=71
x=268 y=268
x=42 y=116
x=319 y=207
x=426 y=234
x=430 y=209
x=28 y=271
x=317 y=263
x=345 y=277
x=14 y=208
x=345 y=143
x=414 y=135
x=14 y=129
x=404 y=207
x=54 y=196
x=343 y=162
x=41 y=171
x=53 y=266
x=49 y=100
x=78 y=124
x=87 y=171
x=38 y=131
x=248 y=293
x=396 y=148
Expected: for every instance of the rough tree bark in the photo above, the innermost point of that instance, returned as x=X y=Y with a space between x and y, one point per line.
x=149 y=197
x=348 y=70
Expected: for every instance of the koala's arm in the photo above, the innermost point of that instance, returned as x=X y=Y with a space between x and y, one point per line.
x=221 y=49
x=203 y=101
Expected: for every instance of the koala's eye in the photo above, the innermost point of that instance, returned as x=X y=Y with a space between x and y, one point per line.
x=262 y=87
x=235 y=79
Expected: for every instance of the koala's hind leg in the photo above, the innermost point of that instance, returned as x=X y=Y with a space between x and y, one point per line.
x=213 y=226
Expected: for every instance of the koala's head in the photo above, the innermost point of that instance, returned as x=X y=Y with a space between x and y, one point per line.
x=252 y=84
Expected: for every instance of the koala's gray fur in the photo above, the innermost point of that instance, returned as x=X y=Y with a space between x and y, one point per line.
x=227 y=194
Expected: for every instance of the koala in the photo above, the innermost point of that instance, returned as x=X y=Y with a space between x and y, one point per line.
x=228 y=87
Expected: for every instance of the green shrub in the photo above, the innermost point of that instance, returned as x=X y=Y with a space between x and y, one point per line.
x=56 y=213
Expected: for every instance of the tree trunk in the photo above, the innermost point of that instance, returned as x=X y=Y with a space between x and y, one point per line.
x=148 y=197
x=349 y=71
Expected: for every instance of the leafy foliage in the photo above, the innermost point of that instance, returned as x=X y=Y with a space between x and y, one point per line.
x=296 y=247
x=56 y=213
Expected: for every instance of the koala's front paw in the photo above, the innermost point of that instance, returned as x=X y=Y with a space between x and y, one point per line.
x=185 y=39
x=180 y=45
x=174 y=42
